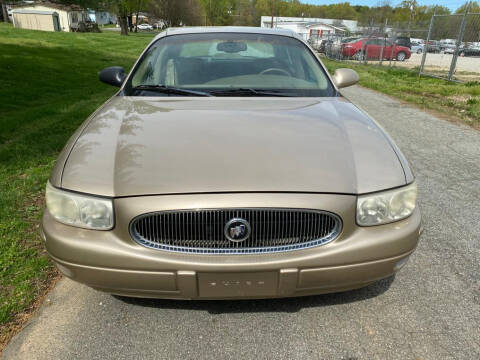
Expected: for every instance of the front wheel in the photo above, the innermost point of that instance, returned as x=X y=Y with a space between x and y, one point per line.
x=401 y=56
x=419 y=51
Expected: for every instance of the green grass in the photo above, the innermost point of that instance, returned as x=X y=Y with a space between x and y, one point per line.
x=48 y=87
x=461 y=100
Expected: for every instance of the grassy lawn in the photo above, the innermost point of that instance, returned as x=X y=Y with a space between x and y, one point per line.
x=461 y=100
x=48 y=88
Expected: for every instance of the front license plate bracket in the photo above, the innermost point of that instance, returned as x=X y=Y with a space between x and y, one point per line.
x=225 y=285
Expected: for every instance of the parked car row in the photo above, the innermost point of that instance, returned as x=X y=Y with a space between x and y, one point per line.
x=396 y=48
x=469 y=51
x=437 y=47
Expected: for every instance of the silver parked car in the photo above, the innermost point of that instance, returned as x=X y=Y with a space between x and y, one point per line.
x=228 y=165
x=417 y=48
x=145 y=26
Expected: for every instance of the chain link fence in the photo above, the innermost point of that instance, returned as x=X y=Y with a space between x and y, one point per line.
x=379 y=45
x=447 y=47
x=453 y=48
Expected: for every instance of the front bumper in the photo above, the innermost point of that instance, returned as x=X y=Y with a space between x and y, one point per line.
x=111 y=261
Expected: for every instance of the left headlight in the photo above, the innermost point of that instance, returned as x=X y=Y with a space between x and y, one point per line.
x=386 y=207
x=79 y=210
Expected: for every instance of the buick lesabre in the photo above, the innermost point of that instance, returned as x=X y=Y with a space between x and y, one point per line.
x=228 y=165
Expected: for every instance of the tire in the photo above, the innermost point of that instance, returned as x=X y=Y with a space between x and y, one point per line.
x=401 y=56
x=419 y=51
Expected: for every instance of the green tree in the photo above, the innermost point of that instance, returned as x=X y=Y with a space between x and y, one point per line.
x=176 y=12
x=122 y=8
x=140 y=5
x=472 y=6
x=219 y=12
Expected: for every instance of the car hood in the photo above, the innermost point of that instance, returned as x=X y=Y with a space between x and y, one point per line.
x=168 y=145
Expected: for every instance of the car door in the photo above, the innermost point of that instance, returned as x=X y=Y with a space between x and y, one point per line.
x=389 y=50
x=373 y=49
x=384 y=47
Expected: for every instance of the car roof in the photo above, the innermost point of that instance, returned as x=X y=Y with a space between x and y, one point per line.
x=228 y=29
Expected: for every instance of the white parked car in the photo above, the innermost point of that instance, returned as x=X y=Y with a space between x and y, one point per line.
x=145 y=27
x=449 y=49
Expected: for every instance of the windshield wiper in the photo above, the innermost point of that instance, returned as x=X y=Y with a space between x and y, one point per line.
x=170 y=90
x=250 y=92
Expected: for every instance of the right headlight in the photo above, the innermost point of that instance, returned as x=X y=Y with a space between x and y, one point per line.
x=386 y=207
x=79 y=210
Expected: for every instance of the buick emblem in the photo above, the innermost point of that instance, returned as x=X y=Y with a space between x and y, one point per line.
x=237 y=230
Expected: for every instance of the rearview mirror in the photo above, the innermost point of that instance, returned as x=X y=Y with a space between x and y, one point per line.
x=114 y=75
x=231 y=47
x=345 y=77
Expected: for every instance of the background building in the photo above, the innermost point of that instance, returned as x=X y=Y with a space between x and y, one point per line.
x=69 y=16
x=311 y=27
x=36 y=20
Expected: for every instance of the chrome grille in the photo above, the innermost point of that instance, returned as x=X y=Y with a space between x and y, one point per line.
x=202 y=231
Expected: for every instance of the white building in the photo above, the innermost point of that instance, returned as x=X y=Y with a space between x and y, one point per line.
x=69 y=16
x=310 y=27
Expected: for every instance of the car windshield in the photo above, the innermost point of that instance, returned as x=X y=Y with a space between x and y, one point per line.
x=221 y=63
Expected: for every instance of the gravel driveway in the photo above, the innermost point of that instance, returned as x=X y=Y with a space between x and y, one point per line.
x=430 y=311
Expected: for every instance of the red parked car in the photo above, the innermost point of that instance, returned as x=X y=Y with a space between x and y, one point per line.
x=373 y=48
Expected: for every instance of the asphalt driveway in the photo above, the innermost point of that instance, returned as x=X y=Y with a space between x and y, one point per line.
x=431 y=310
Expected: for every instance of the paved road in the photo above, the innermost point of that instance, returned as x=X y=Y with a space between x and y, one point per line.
x=430 y=311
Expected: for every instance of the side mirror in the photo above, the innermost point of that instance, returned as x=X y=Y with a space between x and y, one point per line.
x=114 y=75
x=345 y=77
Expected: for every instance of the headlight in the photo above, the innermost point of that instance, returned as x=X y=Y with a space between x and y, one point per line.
x=387 y=206
x=79 y=210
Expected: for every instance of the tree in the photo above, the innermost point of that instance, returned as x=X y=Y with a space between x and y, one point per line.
x=472 y=25
x=218 y=12
x=139 y=6
x=245 y=13
x=122 y=9
x=472 y=7
x=176 y=12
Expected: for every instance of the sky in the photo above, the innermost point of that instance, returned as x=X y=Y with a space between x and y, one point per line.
x=451 y=4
